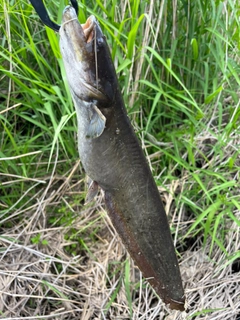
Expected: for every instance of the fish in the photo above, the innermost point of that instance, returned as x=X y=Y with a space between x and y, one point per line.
x=113 y=159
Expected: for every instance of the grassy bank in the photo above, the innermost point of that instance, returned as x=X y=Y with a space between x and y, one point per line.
x=178 y=65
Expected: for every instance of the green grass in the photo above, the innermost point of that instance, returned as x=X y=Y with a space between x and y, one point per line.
x=178 y=65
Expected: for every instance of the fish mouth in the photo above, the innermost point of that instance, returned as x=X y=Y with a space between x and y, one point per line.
x=80 y=37
x=88 y=28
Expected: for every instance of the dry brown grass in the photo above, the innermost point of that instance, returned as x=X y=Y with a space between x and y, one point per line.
x=42 y=281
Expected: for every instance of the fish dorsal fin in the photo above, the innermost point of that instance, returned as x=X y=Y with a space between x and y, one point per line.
x=96 y=124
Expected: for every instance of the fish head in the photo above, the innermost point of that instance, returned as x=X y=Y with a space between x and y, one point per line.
x=86 y=59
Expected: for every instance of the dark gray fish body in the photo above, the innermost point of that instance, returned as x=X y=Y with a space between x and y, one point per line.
x=112 y=157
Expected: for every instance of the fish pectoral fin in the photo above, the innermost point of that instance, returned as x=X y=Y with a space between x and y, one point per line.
x=96 y=124
x=92 y=191
x=93 y=93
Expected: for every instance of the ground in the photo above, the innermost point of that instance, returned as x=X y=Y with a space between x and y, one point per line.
x=82 y=270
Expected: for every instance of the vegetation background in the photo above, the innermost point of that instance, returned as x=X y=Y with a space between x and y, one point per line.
x=178 y=67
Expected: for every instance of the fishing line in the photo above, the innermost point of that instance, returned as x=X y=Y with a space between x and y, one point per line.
x=95 y=52
x=68 y=21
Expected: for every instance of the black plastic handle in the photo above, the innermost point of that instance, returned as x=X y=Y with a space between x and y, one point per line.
x=43 y=14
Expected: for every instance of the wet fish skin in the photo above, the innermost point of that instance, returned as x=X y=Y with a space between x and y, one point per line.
x=115 y=160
